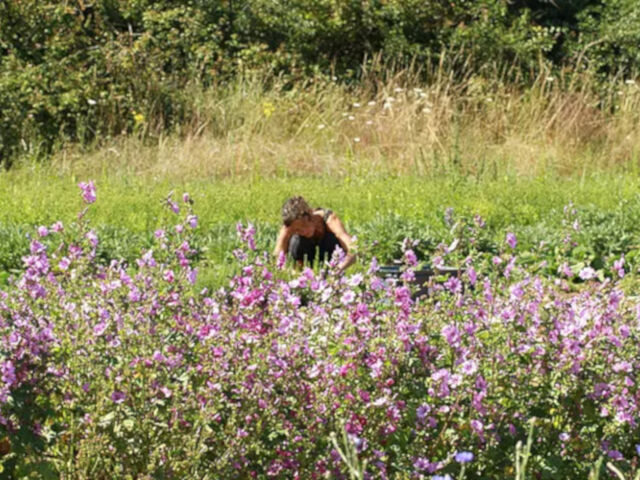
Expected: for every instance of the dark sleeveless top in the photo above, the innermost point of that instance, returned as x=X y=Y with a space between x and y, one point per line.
x=301 y=247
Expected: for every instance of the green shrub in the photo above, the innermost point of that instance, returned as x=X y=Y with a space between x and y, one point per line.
x=80 y=72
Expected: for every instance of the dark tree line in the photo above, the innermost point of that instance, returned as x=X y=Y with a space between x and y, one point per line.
x=73 y=70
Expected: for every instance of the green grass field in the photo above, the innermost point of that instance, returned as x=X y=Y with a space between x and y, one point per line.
x=388 y=158
x=380 y=210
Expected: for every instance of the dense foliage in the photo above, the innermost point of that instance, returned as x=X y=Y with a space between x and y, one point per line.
x=122 y=371
x=74 y=71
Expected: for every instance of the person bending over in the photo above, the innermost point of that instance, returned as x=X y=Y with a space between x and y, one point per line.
x=305 y=231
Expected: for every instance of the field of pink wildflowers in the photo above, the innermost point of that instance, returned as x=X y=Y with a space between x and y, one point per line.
x=125 y=371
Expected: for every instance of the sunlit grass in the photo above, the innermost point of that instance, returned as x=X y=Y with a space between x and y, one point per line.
x=395 y=126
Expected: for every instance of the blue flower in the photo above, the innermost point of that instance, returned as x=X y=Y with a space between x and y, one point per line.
x=441 y=477
x=464 y=457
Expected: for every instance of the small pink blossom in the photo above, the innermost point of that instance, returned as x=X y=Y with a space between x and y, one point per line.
x=88 y=191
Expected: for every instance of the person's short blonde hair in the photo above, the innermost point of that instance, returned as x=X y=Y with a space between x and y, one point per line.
x=294 y=208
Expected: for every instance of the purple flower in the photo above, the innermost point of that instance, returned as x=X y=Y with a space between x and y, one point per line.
x=422 y=411
x=173 y=206
x=564 y=437
x=158 y=356
x=100 y=328
x=618 y=266
x=623 y=366
x=410 y=258
x=477 y=427
x=511 y=240
x=473 y=276
x=118 y=397
x=355 y=280
x=43 y=231
x=469 y=367
x=88 y=191
x=36 y=247
x=192 y=275
x=587 y=273
x=565 y=270
x=348 y=297
x=374 y=266
x=453 y=284
x=64 y=263
x=463 y=457
x=168 y=276
x=638 y=449
x=92 y=237
x=450 y=333
x=446 y=476
x=8 y=373
x=615 y=455
x=192 y=220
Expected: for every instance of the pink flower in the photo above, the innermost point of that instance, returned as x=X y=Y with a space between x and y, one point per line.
x=411 y=258
x=422 y=411
x=469 y=367
x=192 y=220
x=618 y=266
x=64 y=263
x=93 y=238
x=453 y=284
x=511 y=240
x=100 y=328
x=169 y=276
x=477 y=426
x=88 y=191
x=615 y=455
x=473 y=276
x=348 y=297
x=192 y=275
x=118 y=397
x=587 y=273
x=173 y=206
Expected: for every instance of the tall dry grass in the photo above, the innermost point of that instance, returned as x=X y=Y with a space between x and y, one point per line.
x=388 y=123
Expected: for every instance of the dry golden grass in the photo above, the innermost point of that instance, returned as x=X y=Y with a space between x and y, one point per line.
x=397 y=125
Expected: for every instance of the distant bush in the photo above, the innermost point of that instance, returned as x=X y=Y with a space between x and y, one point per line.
x=74 y=72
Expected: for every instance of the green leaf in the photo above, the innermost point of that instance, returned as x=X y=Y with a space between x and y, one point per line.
x=107 y=419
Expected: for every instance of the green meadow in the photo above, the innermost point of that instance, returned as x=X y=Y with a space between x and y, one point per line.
x=380 y=210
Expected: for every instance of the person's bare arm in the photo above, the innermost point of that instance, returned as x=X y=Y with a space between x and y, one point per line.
x=346 y=241
x=282 y=242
